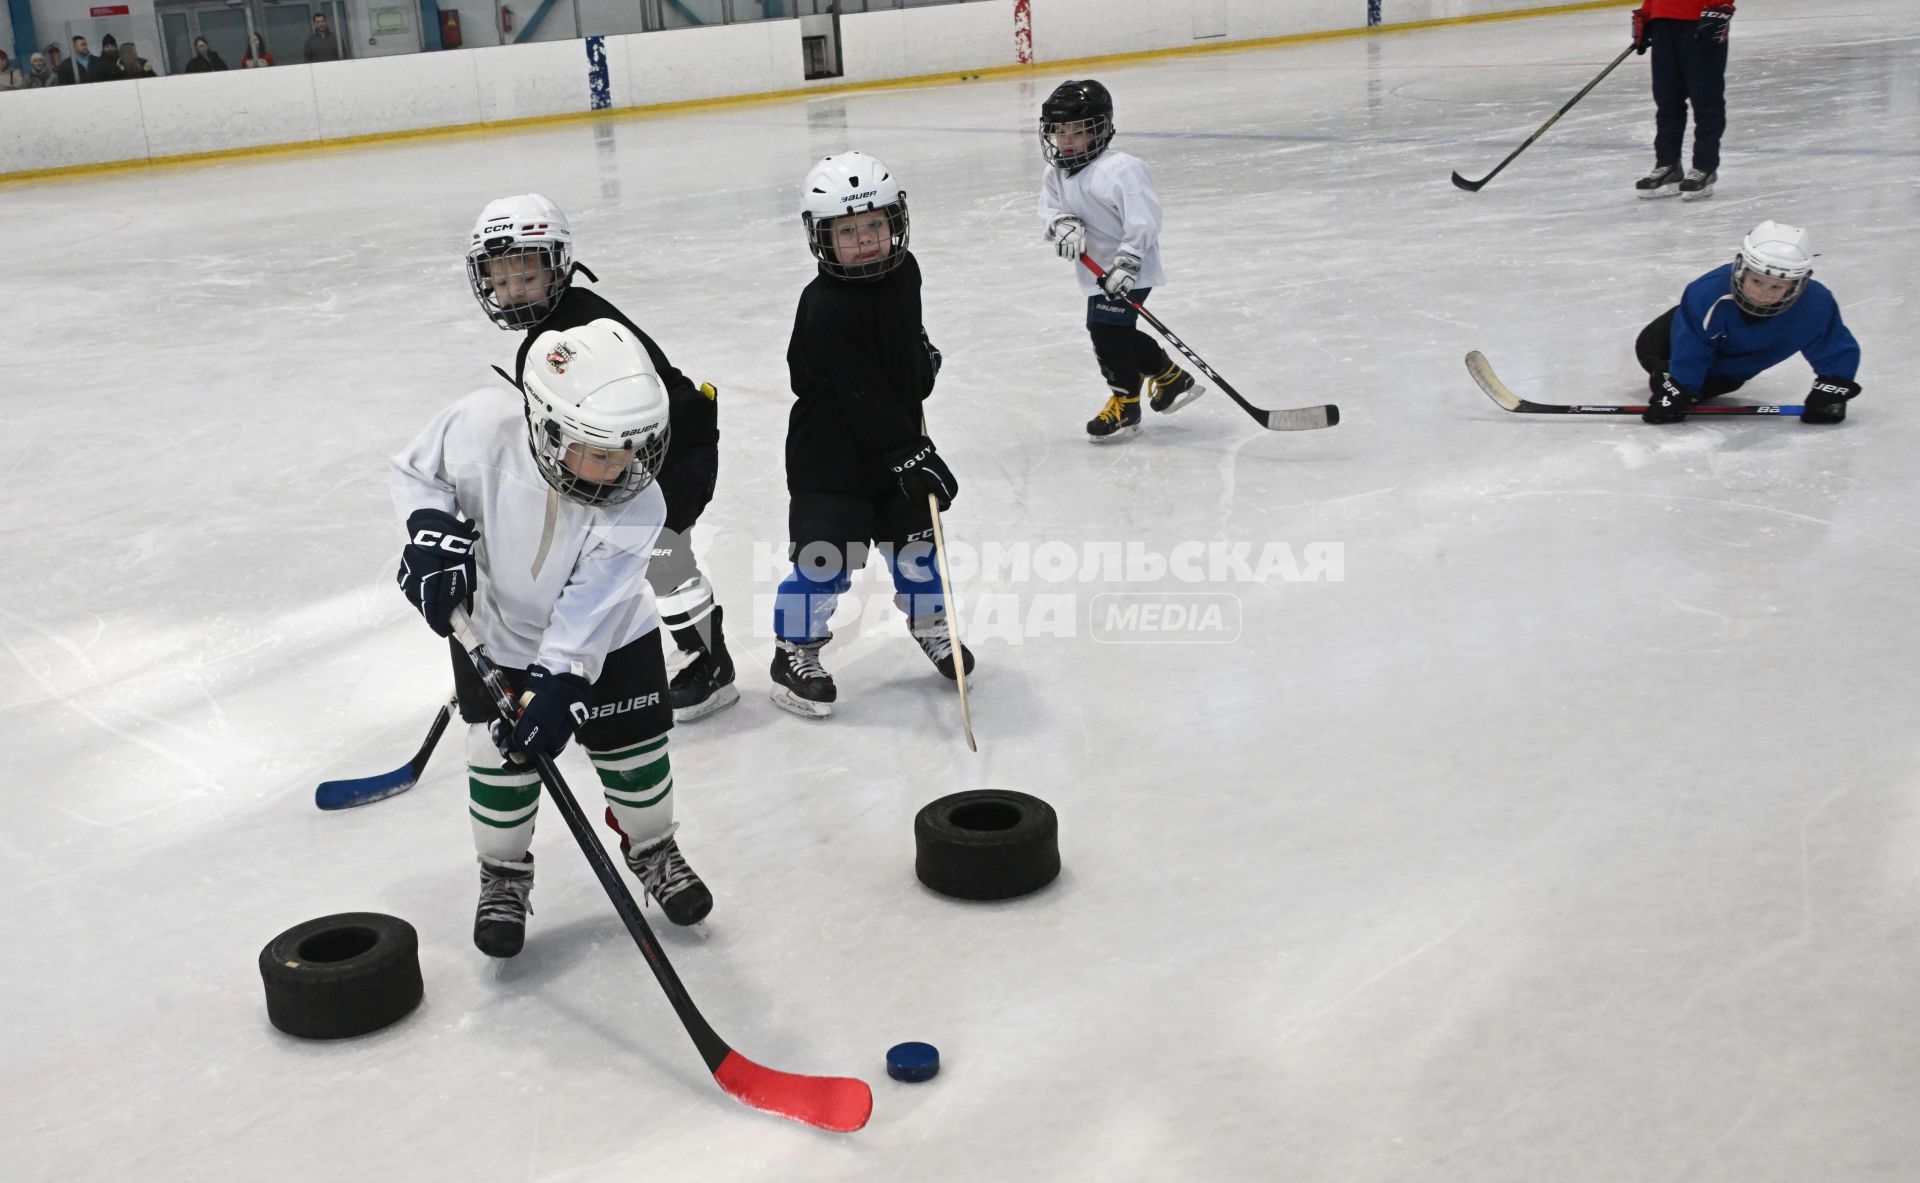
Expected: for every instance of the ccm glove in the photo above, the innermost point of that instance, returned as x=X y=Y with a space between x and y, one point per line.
x=1827 y=401
x=921 y=472
x=1641 y=41
x=1069 y=237
x=552 y=707
x=436 y=568
x=1714 y=21
x=1121 y=277
x=1669 y=402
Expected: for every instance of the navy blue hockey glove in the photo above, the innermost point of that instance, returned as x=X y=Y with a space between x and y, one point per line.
x=552 y=708
x=1121 y=277
x=1827 y=401
x=1714 y=22
x=933 y=351
x=1669 y=402
x=921 y=472
x=436 y=567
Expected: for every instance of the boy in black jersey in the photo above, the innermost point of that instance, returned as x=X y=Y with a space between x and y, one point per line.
x=521 y=266
x=860 y=467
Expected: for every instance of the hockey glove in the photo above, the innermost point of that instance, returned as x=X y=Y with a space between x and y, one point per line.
x=1121 y=277
x=933 y=351
x=1827 y=401
x=921 y=472
x=1669 y=402
x=436 y=568
x=552 y=708
x=1641 y=41
x=1069 y=237
x=1714 y=22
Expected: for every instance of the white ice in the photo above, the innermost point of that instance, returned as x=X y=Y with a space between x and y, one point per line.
x=1570 y=835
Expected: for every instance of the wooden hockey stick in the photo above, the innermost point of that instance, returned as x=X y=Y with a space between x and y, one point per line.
x=953 y=632
x=1476 y=186
x=838 y=1103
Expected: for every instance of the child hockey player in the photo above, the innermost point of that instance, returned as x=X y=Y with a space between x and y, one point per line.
x=1689 y=43
x=859 y=464
x=520 y=266
x=1102 y=204
x=538 y=513
x=1747 y=316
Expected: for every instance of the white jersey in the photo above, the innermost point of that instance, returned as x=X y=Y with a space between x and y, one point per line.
x=1114 y=196
x=561 y=584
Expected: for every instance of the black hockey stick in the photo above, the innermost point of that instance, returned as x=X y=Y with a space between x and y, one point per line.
x=1476 y=186
x=364 y=790
x=1482 y=372
x=837 y=1103
x=1299 y=419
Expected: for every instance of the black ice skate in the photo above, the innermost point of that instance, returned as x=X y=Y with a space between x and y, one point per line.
x=1698 y=185
x=800 y=683
x=664 y=872
x=1118 y=420
x=1172 y=389
x=500 y=923
x=1663 y=181
x=705 y=684
x=934 y=642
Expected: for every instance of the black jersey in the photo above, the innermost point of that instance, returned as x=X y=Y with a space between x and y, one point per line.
x=860 y=371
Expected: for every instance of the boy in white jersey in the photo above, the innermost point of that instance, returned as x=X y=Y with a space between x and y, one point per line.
x=538 y=513
x=1102 y=204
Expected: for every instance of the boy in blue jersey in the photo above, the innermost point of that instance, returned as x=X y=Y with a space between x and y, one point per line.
x=1745 y=317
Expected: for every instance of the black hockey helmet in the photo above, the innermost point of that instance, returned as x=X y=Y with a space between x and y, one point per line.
x=1074 y=106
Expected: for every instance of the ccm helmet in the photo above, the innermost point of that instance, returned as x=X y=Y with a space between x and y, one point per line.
x=520 y=259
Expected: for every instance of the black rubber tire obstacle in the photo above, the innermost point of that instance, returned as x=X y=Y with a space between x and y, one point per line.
x=342 y=975
x=986 y=844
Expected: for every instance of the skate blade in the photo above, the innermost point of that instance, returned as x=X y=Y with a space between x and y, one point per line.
x=1656 y=194
x=1183 y=400
x=718 y=701
x=806 y=708
x=1700 y=196
x=1121 y=436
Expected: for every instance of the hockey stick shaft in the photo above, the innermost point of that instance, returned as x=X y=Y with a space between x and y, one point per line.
x=1291 y=420
x=1476 y=186
x=834 y=1103
x=953 y=631
x=1501 y=393
x=364 y=790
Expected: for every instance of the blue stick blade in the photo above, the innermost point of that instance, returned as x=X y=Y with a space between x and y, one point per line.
x=345 y=794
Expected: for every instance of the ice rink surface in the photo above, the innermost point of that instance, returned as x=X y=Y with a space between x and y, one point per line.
x=1563 y=830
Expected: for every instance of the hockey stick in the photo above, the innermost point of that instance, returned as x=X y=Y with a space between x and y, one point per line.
x=364 y=790
x=1476 y=186
x=953 y=632
x=1299 y=419
x=835 y=1103
x=1498 y=391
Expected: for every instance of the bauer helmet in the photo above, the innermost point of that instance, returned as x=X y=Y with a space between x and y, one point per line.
x=520 y=260
x=852 y=183
x=596 y=412
x=1076 y=106
x=1777 y=251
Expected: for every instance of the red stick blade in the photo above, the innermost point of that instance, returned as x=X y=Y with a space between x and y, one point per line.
x=837 y=1103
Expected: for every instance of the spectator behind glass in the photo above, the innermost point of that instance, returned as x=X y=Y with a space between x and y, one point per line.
x=106 y=65
x=204 y=59
x=258 y=55
x=10 y=76
x=76 y=69
x=321 y=44
x=41 y=74
x=132 y=65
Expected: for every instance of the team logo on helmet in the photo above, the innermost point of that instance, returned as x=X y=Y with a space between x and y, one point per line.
x=560 y=357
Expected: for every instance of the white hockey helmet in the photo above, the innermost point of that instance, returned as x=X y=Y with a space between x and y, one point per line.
x=1778 y=251
x=596 y=412
x=520 y=259
x=852 y=183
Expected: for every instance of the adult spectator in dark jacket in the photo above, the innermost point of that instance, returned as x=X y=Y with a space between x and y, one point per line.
x=106 y=66
x=132 y=65
x=322 y=45
x=203 y=59
x=78 y=68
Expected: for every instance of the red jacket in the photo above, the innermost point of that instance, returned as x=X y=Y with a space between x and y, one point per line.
x=1674 y=10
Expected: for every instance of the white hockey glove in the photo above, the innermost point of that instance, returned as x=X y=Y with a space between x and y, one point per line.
x=1121 y=277
x=1069 y=237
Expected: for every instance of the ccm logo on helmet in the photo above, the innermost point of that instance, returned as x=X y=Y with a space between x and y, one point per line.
x=583 y=713
x=453 y=544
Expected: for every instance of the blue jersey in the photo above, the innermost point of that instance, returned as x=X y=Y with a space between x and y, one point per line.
x=1712 y=336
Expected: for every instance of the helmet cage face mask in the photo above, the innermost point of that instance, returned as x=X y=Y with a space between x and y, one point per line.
x=1778 y=252
x=820 y=241
x=1744 y=267
x=555 y=257
x=597 y=414
x=853 y=183
x=1099 y=129
x=553 y=436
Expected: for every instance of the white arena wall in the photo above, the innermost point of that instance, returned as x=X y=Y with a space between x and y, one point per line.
x=68 y=128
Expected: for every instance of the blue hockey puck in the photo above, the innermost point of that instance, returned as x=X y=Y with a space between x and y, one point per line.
x=913 y=1062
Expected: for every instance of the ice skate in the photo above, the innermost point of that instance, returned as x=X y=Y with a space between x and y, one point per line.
x=1663 y=181
x=664 y=872
x=500 y=922
x=931 y=636
x=1117 y=421
x=800 y=683
x=1698 y=185
x=1172 y=389
x=704 y=685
